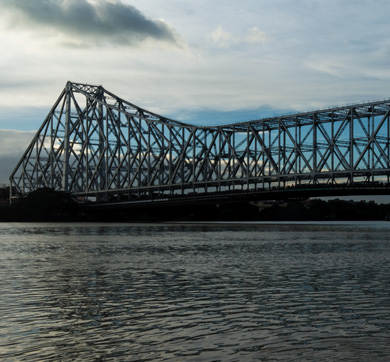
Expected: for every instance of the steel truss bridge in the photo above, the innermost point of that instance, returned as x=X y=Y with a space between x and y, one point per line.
x=99 y=147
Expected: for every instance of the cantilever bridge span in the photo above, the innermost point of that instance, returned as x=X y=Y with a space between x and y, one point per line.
x=100 y=147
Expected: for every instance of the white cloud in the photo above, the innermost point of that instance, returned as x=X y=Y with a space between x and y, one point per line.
x=255 y=36
x=222 y=38
x=225 y=39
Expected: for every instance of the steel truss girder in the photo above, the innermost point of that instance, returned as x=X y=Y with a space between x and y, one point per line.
x=93 y=143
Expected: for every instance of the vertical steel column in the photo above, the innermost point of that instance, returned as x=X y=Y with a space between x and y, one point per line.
x=247 y=157
x=51 y=155
x=88 y=144
x=255 y=175
x=139 y=154
x=300 y=147
x=296 y=151
x=369 y=138
x=148 y=158
x=102 y=154
x=129 y=163
x=162 y=162
x=269 y=153
x=284 y=155
x=388 y=148
x=183 y=158
x=170 y=158
x=332 y=147
x=230 y=155
x=263 y=156
x=279 y=151
x=206 y=160
x=193 y=159
x=373 y=149
x=65 y=162
x=219 y=155
x=284 y=151
x=351 y=143
x=106 y=129
x=10 y=192
x=315 y=126
x=118 y=172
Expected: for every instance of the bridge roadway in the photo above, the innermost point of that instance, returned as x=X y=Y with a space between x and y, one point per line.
x=290 y=193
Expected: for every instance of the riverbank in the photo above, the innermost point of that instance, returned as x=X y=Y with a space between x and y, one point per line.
x=47 y=205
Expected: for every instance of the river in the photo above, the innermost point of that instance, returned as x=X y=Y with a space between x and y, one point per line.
x=195 y=292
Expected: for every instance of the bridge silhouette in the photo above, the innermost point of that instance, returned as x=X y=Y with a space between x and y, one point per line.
x=101 y=148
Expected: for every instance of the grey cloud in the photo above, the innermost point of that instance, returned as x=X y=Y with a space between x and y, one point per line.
x=83 y=20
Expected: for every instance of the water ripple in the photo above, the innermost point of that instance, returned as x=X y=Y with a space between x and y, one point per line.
x=194 y=292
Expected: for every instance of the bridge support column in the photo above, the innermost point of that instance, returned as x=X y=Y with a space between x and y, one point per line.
x=65 y=165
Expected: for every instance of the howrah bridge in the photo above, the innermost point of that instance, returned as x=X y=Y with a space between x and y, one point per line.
x=102 y=149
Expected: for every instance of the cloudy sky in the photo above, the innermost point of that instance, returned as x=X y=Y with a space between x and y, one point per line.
x=200 y=61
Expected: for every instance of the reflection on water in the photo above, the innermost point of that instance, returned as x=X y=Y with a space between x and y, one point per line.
x=210 y=292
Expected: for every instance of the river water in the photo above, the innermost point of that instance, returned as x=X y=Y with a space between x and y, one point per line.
x=195 y=292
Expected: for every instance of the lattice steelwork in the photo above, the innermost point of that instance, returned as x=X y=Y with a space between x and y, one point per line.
x=96 y=144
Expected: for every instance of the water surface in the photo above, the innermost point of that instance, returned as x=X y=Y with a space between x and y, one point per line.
x=195 y=292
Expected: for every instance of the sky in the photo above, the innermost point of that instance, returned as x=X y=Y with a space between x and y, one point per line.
x=202 y=62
